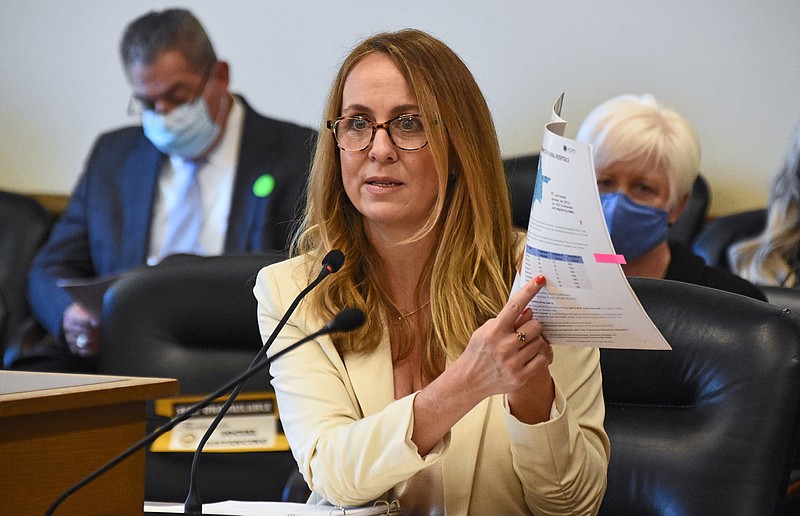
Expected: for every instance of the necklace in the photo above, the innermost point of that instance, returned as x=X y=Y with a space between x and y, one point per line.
x=409 y=314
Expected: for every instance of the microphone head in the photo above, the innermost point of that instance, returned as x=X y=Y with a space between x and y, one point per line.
x=333 y=260
x=346 y=320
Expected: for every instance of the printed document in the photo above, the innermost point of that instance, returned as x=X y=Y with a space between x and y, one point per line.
x=587 y=300
x=88 y=291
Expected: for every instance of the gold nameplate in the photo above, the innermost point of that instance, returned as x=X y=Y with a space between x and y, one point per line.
x=251 y=424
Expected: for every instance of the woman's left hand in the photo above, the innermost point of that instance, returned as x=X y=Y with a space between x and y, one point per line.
x=531 y=403
x=506 y=355
x=507 y=351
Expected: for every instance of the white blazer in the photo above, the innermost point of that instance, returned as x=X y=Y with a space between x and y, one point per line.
x=352 y=439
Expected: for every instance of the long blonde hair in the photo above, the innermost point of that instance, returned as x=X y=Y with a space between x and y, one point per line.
x=771 y=257
x=472 y=264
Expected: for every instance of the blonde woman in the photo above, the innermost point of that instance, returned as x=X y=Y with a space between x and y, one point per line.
x=448 y=399
x=772 y=258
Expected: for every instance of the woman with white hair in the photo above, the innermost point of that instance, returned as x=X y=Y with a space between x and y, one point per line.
x=647 y=158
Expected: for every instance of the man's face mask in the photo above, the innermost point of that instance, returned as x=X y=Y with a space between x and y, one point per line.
x=186 y=131
x=635 y=228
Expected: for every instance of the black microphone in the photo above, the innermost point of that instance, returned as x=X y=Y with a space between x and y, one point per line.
x=346 y=320
x=193 y=504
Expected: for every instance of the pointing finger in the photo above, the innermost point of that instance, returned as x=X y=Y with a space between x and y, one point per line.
x=512 y=310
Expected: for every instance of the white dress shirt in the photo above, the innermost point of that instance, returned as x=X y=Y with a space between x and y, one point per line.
x=216 y=176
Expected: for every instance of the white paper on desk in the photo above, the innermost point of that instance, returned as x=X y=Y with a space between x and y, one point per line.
x=88 y=291
x=587 y=300
x=276 y=509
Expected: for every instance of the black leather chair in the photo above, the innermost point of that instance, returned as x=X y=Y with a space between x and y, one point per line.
x=783 y=297
x=718 y=235
x=521 y=176
x=709 y=427
x=194 y=319
x=24 y=226
x=694 y=215
x=712 y=245
x=788 y=299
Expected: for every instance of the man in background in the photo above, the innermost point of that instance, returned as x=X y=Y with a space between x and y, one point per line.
x=203 y=174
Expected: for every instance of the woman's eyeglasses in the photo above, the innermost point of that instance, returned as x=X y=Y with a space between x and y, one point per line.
x=356 y=133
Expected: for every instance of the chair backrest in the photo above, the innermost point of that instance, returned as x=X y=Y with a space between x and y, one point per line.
x=717 y=236
x=788 y=299
x=194 y=319
x=710 y=426
x=783 y=297
x=521 y=176
x=24 y=226
x=693 y=218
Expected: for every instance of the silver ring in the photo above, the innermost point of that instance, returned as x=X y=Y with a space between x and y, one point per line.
x=82 y=341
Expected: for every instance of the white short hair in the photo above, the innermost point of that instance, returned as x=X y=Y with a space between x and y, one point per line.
x=636 y=128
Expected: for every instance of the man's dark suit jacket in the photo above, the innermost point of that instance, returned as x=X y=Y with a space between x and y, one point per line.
x=106 y=226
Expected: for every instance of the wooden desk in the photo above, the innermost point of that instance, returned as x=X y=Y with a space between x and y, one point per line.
x=55 y=429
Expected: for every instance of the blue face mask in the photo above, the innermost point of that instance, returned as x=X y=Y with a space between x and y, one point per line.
x=635 y=228
x=186 y=131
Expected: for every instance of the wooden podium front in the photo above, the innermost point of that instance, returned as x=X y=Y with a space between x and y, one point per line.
x=55 y=429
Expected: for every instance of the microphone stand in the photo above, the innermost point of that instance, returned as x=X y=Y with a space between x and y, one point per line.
x=193 y=503
x=345 y=320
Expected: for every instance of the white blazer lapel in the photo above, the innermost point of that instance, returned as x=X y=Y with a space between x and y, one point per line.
x=372 y=377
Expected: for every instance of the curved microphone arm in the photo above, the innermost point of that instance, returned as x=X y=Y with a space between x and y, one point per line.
x=348 y=319
x=193 y=504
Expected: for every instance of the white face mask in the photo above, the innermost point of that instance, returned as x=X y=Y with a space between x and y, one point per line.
x=186 y=131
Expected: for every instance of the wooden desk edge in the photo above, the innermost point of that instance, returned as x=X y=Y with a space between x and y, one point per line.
x=118 y=389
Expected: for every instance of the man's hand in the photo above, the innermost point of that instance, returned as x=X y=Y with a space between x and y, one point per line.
x=81 y=330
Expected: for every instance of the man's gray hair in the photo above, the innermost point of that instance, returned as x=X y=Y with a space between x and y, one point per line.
x=148 y=36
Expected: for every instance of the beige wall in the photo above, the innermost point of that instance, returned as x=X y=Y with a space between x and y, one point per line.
x=732 y=67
